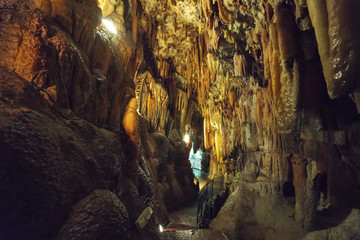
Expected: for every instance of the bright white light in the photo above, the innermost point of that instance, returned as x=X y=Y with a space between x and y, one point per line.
x=161 y=228
x=187 y=138
x=109 y=25
x=195 y=158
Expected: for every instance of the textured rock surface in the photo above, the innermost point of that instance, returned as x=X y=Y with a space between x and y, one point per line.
x=63 y=61
x=51 y=160
x=262 y=74
x=267 y=87
x=50 y=157
x=101 y=215
x=258 y=215
x=349 y=229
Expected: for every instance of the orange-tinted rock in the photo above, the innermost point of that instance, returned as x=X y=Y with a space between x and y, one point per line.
x=178 y=59
x=130 y=120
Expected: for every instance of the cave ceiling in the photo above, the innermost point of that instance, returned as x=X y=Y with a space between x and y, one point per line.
x=253 y=69
x=268 y=89
x=210 y=49
x=194 y=42
x=240 y=63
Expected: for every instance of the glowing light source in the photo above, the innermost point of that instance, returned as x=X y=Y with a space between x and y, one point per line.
x=195 y=158
x=161 y=229
x=187 y=138
x=109 y=25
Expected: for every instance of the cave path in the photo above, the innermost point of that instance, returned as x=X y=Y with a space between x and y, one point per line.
x=183 y=220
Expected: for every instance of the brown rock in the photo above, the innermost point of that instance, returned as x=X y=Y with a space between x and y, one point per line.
x=99 y=215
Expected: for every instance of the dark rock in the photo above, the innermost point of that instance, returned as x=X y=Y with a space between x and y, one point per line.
x=49 y=161
x=101 y=215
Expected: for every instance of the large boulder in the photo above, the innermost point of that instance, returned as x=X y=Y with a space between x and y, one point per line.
x=49 y=161
x=348 y=229
x=50 y=164
x=251 y=214
x=101 y=215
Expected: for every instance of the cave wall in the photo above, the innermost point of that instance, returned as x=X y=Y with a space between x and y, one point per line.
x=276 y=84
x=274 y=81
x=77 y=158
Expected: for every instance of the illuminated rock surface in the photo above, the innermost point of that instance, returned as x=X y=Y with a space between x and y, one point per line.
x=89 y=119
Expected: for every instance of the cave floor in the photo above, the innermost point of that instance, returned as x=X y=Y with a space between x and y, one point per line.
x=183 y=226
x=183 y=221
x=194 y=234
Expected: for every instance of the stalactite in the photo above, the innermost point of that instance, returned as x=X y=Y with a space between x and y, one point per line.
x=153 y=102
x=266 y=53
x=319 y=19
x=189 y=74
x=183 y=113
x=232 y=98
x=214 y=37
x=224 y=14
x=206 y=132
x=197 y=58
x=211 y=64
x=218 y=146
x=165 y=69
x=275 y=71
x=287 y=108
x=240 y=65
x=344 y=46
x=207 y=9
x=275 y=68
x=287 y=32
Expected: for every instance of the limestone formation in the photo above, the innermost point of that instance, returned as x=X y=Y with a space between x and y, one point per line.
x=92 y=119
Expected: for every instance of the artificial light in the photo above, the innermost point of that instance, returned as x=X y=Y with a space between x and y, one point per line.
x=109 y=25
x=161 y=229
x=187 y=138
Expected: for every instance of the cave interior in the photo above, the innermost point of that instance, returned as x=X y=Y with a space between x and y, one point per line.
x=118 y=116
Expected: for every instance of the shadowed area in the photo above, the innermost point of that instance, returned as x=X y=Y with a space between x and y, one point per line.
x=216 y=119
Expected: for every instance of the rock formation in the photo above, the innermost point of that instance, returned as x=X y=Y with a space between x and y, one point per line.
x=92 y=121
